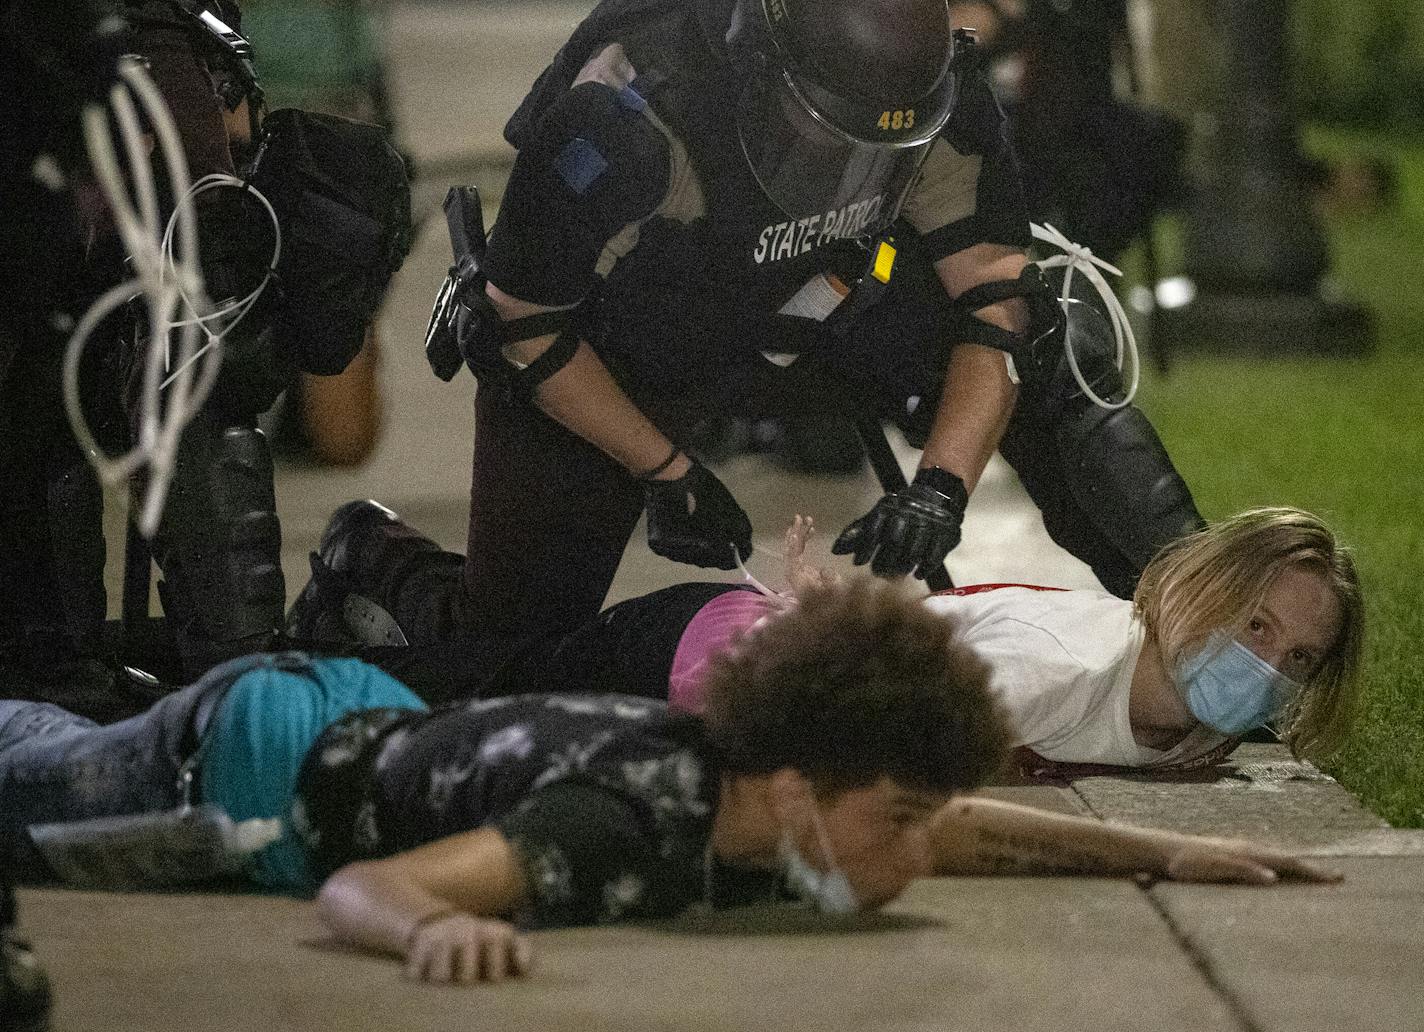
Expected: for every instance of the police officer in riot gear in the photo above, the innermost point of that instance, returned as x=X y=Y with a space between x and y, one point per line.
x=764 y=207
x=218 y=544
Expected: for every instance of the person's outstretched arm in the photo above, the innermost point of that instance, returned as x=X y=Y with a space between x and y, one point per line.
x=973 y=835
x=437 y=906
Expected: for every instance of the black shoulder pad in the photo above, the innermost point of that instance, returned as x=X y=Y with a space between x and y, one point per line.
x=978 y=125
x=593 y=166
x=600 y=147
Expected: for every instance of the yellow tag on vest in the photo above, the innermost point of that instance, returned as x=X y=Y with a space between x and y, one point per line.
x=884 y=261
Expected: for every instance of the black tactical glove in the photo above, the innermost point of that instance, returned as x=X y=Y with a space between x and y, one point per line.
x=909 y=530
x=694 y=519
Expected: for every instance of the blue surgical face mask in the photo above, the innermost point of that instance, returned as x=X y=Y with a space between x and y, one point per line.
x=830 y=890
x=1228 y=687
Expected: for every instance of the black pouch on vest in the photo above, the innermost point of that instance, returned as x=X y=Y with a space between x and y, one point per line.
x=343 y=201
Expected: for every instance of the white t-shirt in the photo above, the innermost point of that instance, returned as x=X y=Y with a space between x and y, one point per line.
x=1061 y=663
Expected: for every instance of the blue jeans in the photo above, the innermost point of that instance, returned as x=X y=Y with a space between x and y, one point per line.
x=57 y=766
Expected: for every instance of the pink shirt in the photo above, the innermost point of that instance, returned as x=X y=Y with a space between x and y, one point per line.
x=709 y=634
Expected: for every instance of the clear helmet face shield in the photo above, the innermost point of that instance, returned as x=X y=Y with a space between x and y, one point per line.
x=851 y=161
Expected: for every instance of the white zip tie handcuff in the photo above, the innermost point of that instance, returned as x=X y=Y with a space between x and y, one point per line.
x=1077 y=258
x=167 y=275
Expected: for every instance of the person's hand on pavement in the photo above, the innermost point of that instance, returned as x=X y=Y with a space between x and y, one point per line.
x=1194 y=859
x=463 y=948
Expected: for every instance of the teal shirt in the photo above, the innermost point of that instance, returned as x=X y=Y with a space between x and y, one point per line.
x=259 y=737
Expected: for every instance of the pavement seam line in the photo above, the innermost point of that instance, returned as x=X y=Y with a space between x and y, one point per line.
x=1200 y=961
x=1197 y=957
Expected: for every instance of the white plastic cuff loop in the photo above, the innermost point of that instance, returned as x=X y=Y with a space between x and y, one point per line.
x=1077 y=258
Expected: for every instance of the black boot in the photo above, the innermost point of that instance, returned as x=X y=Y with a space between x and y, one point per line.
x=24 y=987
x=341 y=604
x=376 y=580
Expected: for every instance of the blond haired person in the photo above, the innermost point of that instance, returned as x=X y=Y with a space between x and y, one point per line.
x=1257 y=619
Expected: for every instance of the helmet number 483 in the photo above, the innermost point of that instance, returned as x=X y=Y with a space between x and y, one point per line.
x=897 y=119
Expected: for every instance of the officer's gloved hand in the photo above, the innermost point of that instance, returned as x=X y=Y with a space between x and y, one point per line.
x=909 y=530
x=694 y=519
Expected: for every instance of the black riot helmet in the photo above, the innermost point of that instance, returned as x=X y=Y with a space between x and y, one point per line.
x=841 y=100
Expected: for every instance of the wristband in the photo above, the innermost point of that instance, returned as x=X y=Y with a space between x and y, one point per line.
x=942 y=481
x=650 y=474
x=428 y=919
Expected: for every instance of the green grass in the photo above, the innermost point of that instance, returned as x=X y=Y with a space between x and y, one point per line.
x=1344 y=439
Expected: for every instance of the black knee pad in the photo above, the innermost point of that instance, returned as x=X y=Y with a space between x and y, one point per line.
x=1088 y=335
x=1120 y=474
x=1114 y=466
x=220 y=544
x=246 y=509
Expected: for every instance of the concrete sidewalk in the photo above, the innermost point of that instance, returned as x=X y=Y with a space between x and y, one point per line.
x=973 y=954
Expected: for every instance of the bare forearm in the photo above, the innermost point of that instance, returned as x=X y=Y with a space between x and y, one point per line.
x=978 y=396
x=373 y=909
x=584 y=397
x=985 y=836
x=377 y=904
x=974 y=410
